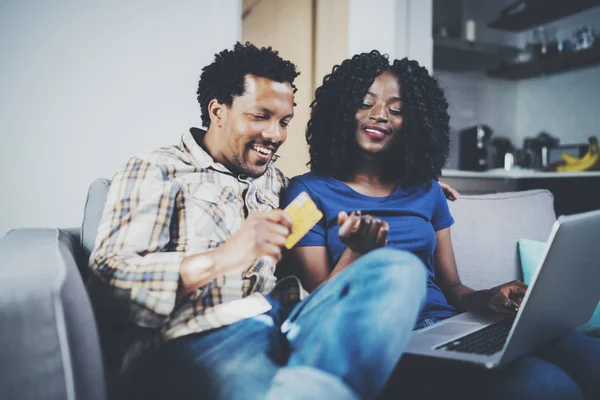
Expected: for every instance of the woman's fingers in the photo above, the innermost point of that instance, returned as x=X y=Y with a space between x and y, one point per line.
x=382 y=234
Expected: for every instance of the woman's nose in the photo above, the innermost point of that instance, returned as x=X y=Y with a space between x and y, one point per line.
x=379 y=113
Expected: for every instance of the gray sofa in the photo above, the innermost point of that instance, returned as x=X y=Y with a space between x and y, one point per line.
x=49 y=342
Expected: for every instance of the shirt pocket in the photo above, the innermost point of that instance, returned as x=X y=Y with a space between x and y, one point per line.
x=214 y=212
x=266 y=201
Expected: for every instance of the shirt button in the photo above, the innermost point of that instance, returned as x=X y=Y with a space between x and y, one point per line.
x=243 y=177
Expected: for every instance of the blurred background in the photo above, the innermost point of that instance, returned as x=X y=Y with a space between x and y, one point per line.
x=86 y=84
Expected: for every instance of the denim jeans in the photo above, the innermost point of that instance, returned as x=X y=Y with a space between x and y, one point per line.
x=341 y=342
x=566 y=368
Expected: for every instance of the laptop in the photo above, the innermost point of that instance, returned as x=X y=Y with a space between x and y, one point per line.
x=562 y=295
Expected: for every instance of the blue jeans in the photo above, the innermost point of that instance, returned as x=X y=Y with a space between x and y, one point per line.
x=341 y=342
x=566 y=368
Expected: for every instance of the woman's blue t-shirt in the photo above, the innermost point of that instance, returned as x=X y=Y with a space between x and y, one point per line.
x=413 y=213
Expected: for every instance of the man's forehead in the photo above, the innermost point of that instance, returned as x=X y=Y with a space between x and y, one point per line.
x=266 y=93
x=258 y=85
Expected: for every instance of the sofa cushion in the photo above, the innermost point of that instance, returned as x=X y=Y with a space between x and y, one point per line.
x=487 y=228
x=94 y=206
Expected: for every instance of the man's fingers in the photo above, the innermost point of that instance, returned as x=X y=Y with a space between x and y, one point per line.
x=280 y=217
x=271 y=250
x=277 y=234
x=449 y=191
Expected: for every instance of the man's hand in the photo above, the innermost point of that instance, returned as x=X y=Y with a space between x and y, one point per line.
x=362 y=233
x=261 y=234
x=506 y=298
x=449 y=191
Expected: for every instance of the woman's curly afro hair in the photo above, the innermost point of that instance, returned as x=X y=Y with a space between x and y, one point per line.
x=419 y=150
x=224 y=78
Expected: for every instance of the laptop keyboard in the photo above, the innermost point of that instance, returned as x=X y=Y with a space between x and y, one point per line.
x=486 y=341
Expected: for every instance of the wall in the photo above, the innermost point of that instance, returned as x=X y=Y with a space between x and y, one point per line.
x=400 y=28
x=474 y=98
x=566 y=104
x=287 y=27
x=85 y=85
x=561 y=104
x=331 y=37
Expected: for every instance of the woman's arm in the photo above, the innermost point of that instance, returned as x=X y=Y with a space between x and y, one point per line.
x=361 y=234
x=446 y=274
x=503 y=298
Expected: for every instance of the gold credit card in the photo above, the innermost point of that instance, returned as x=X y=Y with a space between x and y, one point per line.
x=304 y=214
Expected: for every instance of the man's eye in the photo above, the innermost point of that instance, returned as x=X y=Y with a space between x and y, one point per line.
x=260 y=116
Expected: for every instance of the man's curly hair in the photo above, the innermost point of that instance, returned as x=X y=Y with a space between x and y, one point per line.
x=419 y=150
x=224 y=77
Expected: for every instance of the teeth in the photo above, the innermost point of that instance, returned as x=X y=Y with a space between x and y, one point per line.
x=263 y=150
x=375 y=131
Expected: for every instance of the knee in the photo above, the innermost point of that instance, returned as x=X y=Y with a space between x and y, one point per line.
x=400 y=270
x=397 y=265
x=531 y=378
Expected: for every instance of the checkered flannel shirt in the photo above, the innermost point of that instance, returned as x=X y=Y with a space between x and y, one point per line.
x=169 y=204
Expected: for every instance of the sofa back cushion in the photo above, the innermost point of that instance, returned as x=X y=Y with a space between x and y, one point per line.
x=94 y=206
x=487 y=228
x=485 y=233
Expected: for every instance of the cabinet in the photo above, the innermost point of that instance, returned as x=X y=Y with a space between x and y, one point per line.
x=573 y=192
x=529 y=14
x=538 y=13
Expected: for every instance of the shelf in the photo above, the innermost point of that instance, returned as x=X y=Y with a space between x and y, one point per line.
x=459 y=55
x=561 y=62
x=534 y=16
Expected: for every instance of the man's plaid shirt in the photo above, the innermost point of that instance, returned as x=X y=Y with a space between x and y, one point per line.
x=169 y=204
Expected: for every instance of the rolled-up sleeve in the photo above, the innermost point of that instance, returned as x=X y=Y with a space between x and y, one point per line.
x=135 y=259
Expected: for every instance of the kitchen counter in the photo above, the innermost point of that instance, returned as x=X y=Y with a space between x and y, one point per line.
x=573 y=192
x=516 y=173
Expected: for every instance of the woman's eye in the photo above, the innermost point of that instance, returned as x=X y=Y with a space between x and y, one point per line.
x=366 y=105
x=284 y=124
x=396 y=111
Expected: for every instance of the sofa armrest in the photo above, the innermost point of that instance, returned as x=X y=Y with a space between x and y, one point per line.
x=48 y=337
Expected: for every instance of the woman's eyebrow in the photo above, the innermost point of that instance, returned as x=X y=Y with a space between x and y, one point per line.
x=395 y=98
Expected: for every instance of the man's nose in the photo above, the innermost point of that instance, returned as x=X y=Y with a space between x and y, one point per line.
x=274 y=133
x=379 y=113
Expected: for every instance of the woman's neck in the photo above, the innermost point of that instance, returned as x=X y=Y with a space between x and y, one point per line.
x=370 y=180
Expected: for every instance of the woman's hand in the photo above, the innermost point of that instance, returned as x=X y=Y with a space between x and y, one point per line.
x=505 y=298
x=362 y=233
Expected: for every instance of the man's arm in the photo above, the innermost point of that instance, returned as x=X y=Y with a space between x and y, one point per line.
x=134 y=259
x=142 y=270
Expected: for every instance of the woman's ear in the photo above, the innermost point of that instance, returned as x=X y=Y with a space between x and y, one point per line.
x=216 y=112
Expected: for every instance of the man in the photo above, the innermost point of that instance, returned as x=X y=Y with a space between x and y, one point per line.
x=186 y=254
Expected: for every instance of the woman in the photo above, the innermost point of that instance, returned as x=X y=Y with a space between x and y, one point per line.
x=378 y=139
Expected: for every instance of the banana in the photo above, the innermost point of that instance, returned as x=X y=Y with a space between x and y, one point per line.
x=582 y=166
x=590 y=161
x=571 y=160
